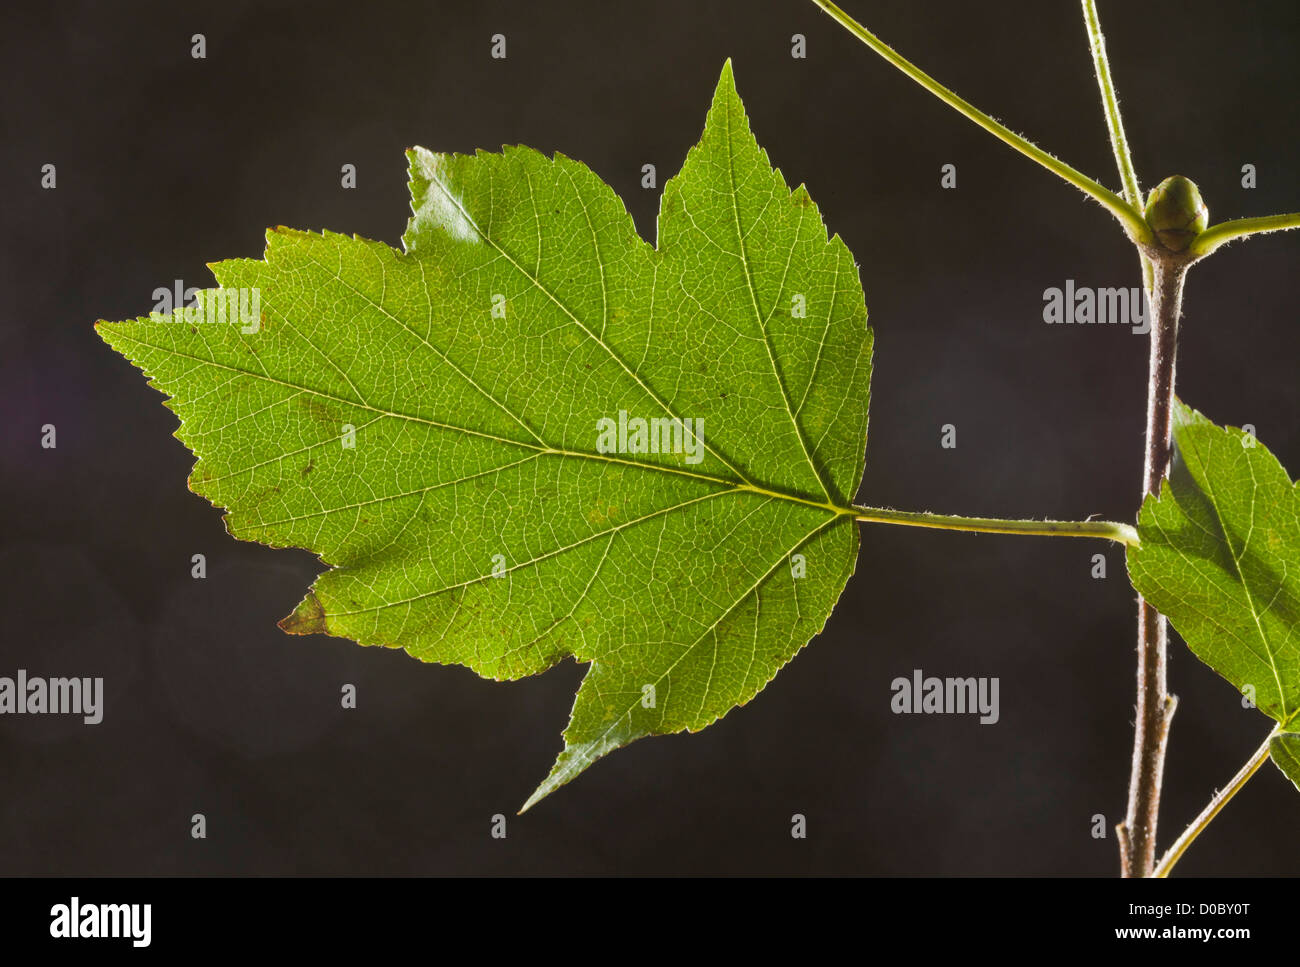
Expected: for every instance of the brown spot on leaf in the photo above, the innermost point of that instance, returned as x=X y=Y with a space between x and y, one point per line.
x=319 y=412
x=307 y=619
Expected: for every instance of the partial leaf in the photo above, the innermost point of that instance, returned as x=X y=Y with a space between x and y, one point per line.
x=1220 y=557
x=428 y=422
x=1284 y=750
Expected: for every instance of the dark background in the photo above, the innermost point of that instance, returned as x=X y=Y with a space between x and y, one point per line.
x=166 y=163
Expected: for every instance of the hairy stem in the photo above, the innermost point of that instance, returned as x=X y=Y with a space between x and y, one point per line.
x=1109 y=530
x=1129 y=215
x=1115 y=122
x=1110 y=103
x=1225 y=232
x=1155 y=706
x=1211 y=810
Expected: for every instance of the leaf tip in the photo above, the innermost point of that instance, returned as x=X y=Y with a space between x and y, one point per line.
x=560 y=774
x=1184 y=418
x=540 y=793
x=727 y=79
x=415 y=154
x=307 y=619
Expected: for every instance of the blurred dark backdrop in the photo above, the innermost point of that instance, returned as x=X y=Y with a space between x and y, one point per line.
x=165 y=163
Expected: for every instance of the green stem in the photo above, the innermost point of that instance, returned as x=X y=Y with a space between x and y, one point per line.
x=1109 y=530
x=1130 y=216
x=1110 y=103
x=1115 y=123
x=1220 y=800
x=1225 y=232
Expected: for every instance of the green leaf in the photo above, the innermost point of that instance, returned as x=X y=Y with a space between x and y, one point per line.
x=1220 y=557
x=475 y=519
x=1284 y=750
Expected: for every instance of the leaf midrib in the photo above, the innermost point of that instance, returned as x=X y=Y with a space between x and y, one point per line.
x=743 y=255
x=743 y=486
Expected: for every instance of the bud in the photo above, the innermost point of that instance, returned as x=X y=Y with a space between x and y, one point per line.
x=1176 y=212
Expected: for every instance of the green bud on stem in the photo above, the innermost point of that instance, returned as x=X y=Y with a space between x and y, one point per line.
x=1176 y=212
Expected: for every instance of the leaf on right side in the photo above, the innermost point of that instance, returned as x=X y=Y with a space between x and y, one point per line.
x=1285 y=753
x=1220 y=558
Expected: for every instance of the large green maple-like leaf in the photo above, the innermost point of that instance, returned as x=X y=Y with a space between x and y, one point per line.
x=1220 y=557
x=429 y=423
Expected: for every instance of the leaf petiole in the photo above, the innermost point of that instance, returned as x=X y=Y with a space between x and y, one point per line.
x=1110 y=530
x=1212 y=809
x=1130 y=216
x=1115 y=123
x=1224 y=232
